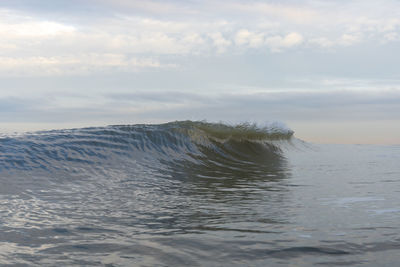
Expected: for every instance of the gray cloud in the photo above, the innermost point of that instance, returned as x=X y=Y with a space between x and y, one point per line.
x=14 y=105
x=313 y=115
x=335 y=105
x=159 y=97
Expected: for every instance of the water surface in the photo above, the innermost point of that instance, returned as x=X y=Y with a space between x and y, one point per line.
x=194 y=193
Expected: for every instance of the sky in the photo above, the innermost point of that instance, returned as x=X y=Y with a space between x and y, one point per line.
x=328 y=69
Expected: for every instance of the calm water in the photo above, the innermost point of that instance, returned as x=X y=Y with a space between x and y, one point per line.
x=196 y=194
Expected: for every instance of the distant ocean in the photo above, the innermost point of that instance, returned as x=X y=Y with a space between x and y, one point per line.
x=196 y=194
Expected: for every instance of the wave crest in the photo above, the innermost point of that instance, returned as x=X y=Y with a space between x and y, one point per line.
x=242 y=131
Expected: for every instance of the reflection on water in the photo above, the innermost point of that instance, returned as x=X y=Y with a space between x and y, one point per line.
x=224 y=190
x=227 y=168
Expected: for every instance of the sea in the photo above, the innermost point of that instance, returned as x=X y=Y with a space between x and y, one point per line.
x=195 y=193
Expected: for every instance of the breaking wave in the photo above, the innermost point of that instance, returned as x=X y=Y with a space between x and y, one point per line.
x=96 y=148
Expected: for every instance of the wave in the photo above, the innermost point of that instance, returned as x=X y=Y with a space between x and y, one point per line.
x=64 y=191
x=101 y=148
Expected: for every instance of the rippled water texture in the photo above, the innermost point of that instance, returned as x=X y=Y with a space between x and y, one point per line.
x=196 y=194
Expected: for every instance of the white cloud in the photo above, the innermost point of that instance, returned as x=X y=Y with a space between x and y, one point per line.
x=321 y=42
x=35 y=29
x=391 y=36
x=220 y=42
x=143 y=29
x=373 y=25
x=391 y=24
x=74 y=64
x=277 y=43
x=293 y=39
x=242 y=37
x=16 y=25
x=251 y=39
x=7 y=47
x=138 y=23
x=349 y=39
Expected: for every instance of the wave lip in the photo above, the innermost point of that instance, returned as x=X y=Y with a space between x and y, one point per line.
x=242 y=131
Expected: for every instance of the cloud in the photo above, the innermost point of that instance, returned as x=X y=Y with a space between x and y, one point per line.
x=35 y=29
x=75 y=64
x=349 y=39
x=251 y=39
x=343 y=105
x=154 y=7
x=160 y=97
x=155 y=30
x=220 y=42
x=17 y=25
x=15 y=105
x=321 y=42
x=277 y=43
x=295 y=13
x=307 y=112
x=391 y=36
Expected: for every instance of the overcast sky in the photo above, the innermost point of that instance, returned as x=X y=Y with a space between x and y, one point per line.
x=328 y=69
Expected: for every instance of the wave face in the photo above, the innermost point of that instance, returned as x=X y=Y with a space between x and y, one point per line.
x=137 y=194
x=95 y=148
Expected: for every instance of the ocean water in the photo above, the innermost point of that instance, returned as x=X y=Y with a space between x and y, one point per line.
x=196 y=194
